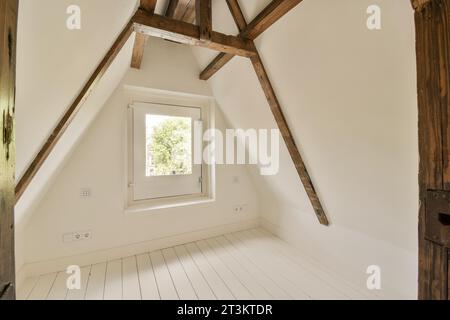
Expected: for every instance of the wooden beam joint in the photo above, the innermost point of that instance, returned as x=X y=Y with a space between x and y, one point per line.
x=183 y=32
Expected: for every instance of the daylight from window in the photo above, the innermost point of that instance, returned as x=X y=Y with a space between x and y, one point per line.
x=169 y=145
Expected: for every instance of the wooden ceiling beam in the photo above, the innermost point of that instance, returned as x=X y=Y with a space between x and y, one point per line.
x=141 y=39
x=203 y=15
x=69 y=115
x=183 y=32
x=280 y=119
x=237 y=14
x=270 y=14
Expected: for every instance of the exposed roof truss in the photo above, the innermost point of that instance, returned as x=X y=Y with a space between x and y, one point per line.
x=177 y=26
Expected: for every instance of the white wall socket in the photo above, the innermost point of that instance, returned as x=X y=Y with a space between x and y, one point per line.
x=85 y=193
x=239 y=209
x=77 y=236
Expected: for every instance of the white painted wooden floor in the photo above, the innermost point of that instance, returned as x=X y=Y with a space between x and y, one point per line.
x=245 y=265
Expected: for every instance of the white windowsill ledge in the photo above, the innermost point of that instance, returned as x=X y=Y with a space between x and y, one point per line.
x=152 y=205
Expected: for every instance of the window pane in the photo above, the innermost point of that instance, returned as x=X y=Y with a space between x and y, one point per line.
x=169 y=145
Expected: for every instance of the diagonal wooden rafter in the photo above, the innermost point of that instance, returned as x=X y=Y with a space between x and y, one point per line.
x=155 y=25
x=141 y=39
x=68 y=116
x=270 y=14
x=280 y=119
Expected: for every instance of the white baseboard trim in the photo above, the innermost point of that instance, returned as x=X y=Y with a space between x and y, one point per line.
x=60 y=264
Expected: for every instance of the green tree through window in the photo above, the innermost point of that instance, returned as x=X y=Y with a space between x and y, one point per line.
x=168 y=145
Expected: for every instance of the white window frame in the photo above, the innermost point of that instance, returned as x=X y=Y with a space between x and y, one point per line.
x=153 y=96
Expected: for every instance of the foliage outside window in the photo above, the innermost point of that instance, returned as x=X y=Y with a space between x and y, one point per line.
x=169 y=145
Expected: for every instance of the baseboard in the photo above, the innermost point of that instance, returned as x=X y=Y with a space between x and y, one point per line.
x=60 y=264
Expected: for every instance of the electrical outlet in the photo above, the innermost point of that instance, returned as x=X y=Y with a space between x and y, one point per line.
x=77 y=236
x=85 y=193
x=239 y=209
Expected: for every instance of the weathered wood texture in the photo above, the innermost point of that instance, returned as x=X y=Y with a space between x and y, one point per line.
x=270 y=14
x=433 y=80
x=8 y=29
x=183 y=10
x=418 y=4
x=141 y=39
x=280 y=119
x=237 y=14
x=183 y=32
x=203 y=13
x=277 y=112
x=68 y=116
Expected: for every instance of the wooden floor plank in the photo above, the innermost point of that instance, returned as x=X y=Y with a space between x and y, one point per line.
x=113 y=281
x=270 y=269
x=96 y=283
x=130 y=279
x=313 y=267
x=313 y=286
x=271 y=286
x=147 y=281
x=42 y=287
x=179 y=276
x=163 y=279
x=59 y=288
x=79 y=294
x=252 y=264
x=233 y=283
x=25 y=290
x=221 y=291
x=197 y=279
x=246 y=278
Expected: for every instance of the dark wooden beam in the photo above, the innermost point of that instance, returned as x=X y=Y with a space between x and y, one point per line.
x=277 y=112
x=8 y=41
x=432 y=19
x=270 y=14
x=183 y=32
x=68 y=116
x=237 y=14
x=170 y=11
x=203 y=15
x=141 y=39
x=148 y=5
x=280 y=119
x=219 y=61
x=138 y=51
x=419 y=4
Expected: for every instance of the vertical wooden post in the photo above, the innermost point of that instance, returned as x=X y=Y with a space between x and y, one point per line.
x=203 y=13
x=8 y=30
x=432 y=19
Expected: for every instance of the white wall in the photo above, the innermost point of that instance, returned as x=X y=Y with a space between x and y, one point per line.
x=349 y=95
x=98 y=163
x=53 y=63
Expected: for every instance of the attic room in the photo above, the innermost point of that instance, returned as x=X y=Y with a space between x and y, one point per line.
x=224 y=150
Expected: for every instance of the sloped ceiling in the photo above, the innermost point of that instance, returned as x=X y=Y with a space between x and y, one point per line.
x=332 y=75
x=349 y=96
x=53 y=63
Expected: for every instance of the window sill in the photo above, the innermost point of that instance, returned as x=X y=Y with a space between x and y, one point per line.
x=168 y=203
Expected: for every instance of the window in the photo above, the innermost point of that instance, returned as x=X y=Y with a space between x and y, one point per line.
x=162 y=152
